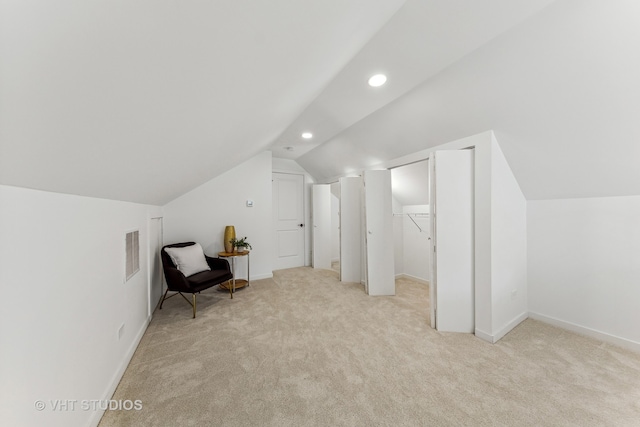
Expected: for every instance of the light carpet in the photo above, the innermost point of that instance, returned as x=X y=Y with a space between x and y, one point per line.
x=304 y=349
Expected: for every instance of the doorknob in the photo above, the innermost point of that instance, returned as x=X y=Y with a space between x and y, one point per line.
x=300 y=225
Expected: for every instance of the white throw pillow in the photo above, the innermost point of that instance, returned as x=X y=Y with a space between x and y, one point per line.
x=189 y=259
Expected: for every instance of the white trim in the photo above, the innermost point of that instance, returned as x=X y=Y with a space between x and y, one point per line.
x=117 y=376
x=509 y=326
x=591 y=333
x=502 y=332
x=150 y=255
x=484 y=336
x=288 y=172
x=410 y=277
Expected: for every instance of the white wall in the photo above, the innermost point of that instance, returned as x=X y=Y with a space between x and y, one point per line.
x=584 y=266
x=508 y=247
x=62 y=261
x=291 y=166
x=416 y=243
x=202 y=214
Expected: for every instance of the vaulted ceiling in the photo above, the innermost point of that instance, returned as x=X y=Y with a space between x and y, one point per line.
x=560 y=90
x=143 y=101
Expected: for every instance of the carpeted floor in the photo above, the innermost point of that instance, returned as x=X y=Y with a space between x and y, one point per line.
x=305 y=350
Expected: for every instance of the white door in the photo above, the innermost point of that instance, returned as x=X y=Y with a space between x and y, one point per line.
x=380 y=275
x=321 y=226
x=156 y=275
x=288 y=220
x=452 y=284
x=350 y=233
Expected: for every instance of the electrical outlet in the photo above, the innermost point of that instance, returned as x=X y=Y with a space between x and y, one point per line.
x=514 y=294
x=120 y=331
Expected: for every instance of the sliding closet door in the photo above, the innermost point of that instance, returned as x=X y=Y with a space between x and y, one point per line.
x=380 y=278
x=452 y=212
x=322 y=226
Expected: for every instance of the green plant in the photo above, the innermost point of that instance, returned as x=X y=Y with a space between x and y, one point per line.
x=240 y=243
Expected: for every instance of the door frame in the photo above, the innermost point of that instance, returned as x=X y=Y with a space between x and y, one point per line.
x=150 y=305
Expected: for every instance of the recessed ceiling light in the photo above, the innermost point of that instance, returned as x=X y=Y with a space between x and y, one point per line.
x=377 y=80
x=307 y=135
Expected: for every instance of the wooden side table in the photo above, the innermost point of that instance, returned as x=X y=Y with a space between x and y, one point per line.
x=240 y=283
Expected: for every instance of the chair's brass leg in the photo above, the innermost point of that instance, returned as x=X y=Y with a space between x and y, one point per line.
x=194 y=305
x=230 y=290
x=163 y=298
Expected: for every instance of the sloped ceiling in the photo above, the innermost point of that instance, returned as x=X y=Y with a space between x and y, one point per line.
x=561 y=91
x=145 y=100
x=419 y=41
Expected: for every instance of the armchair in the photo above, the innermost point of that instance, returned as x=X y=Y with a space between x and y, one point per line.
x=193 y=284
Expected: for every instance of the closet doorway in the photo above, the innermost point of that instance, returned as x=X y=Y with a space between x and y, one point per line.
x=434 y=235
x=410 y=192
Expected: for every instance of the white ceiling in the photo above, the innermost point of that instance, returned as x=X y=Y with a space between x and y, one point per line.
x=561 y=91
x=143 y=101
x=419 y=41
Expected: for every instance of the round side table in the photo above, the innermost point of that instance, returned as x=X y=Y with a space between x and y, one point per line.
x=240 y=283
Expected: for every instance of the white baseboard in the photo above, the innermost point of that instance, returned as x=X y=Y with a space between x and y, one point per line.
x=484 y=336
x=591 y=333
x=494 y=338
x=117 y=376
x=261 y=276
x=509 y=326
x=408 y=276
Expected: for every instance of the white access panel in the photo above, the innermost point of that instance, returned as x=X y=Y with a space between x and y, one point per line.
x=452 y=207
x=321 y=226
x=288 y=220
x=350 y=229
x=380 y=277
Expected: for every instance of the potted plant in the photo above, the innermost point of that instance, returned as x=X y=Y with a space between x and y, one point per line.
x=240 y=244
